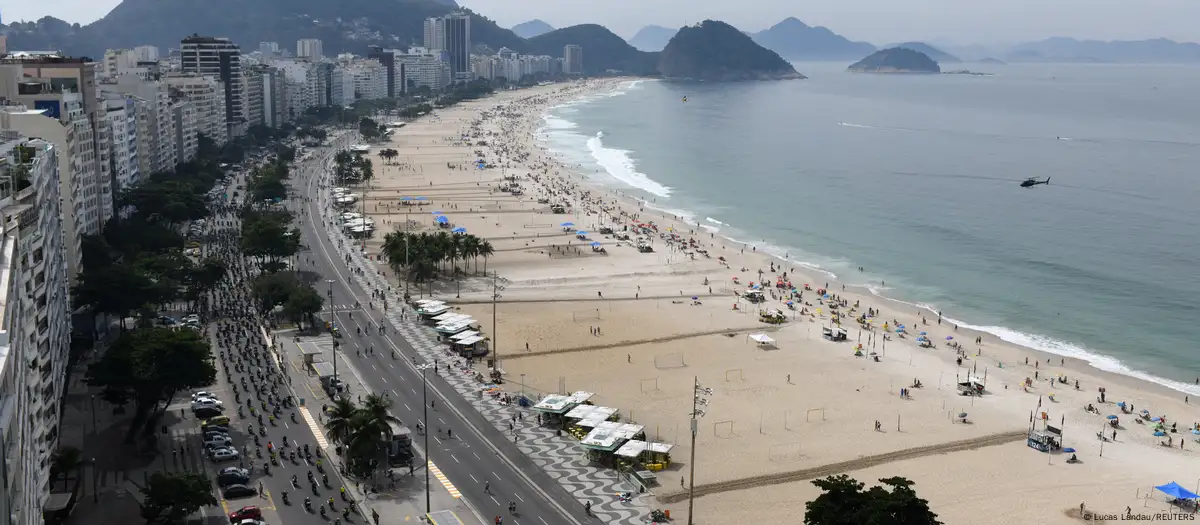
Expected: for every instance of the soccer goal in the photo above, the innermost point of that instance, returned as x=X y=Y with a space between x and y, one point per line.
x=723 y=429
x=785 y=452
x=592 y=314
x=734 y=374
x=812 y=413
x=671 y=360
x=649 y=384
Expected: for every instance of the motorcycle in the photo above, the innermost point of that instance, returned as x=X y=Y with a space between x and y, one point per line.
x=307 y=505
x=285 y=498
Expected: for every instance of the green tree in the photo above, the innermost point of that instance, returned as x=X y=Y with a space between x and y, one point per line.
x=118 y=290
x=302 y=303
x=267 y=236
x=340 y=423
x=844 y=502
x=273 y=289
x=171 y=497
x=150 y=365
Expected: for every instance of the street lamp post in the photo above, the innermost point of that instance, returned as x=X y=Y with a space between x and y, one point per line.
x=425 y=409
x=698 y=400
x=333 y=326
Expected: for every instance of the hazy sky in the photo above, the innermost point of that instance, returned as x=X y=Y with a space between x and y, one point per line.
x=877 y=21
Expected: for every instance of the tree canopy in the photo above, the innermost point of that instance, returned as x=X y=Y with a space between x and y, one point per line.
x=171 y=497
x=844 y=502
x=363 y=431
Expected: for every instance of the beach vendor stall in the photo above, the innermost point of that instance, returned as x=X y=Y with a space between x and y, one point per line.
x=604 y=440
x=638 y=454
x=762 y=341
x=454 y=327
x=432 y=309
x=554 y=407
x=473 y=345
x=583 y=418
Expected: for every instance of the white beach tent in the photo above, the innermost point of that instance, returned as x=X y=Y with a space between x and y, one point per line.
x=763 y=340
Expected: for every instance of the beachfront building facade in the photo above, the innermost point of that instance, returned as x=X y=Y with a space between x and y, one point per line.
x=573 y=59
x=207 y=96
x=451 y=34
x=156 y=145
x=121 y=141
x=185 y=129
x=34 y=323
x=424 y=68
x=512 y=66
x=220 y=59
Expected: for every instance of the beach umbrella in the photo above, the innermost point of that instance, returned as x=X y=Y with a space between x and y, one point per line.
x=900 y=330
x=1156 y=419
x=924 y=333
x=962 y=414
x=596 y=243
x=949 y=337
x=421 y=199
x=459 y=229
x=442 y=219
x=567 y=224
x=581 y=232
x=406 y=198
x=1121 y=404
x=1069 y=450
x=1196 y=432
x=1159 y=434
x=1112 y=416
x=439 y=212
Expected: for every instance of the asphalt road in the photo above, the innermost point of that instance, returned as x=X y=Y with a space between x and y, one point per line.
x=478 y=453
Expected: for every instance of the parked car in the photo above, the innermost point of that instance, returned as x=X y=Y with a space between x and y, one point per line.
x=218 y=441
x=207 y=411
x=238 y=491
x=224 y=454
x=215 y=433
x=232 y=478
x=203 y=393
x=235 y=470
x=249 y=512
x=208 y=402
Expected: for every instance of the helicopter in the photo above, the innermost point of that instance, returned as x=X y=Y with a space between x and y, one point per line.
x=1032 y=181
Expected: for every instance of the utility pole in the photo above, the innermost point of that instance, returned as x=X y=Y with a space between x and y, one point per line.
x=697 y=413
x=495 y=347
x=333 y=326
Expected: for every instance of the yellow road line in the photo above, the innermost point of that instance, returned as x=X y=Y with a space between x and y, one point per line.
x=437 y=473
x=315 y=427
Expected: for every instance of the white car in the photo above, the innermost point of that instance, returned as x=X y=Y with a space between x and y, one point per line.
x=215 y=442
x=192 y=318
x=203 y=393
x=224 y=454
x=207 y=403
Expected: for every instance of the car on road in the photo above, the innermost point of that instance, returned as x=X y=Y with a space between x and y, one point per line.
x=238 y=491
x=203 y=393
x=208 y=402
x=212 y=427
x=249 y=512
x=219 y=420
x=192 y=318
x=224 y=454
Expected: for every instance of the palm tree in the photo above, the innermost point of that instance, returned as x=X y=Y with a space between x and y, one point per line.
x=341 y=420
x=376 y=408
x=485 y=251
x=470 y=248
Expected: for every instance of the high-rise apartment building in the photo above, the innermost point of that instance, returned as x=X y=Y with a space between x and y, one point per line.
x=207 y=96
x=573 y=59
x=157 y=150
x=221 y=59
x=268 y=48
x=184 y=129
x=309 y=48
x=387 y=58
x=451 y=34
x=34 y=321
x=63 y=90
x=253 y=91
x=121 y=123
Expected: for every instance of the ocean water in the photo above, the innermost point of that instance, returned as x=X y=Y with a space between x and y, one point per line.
x=915 y=178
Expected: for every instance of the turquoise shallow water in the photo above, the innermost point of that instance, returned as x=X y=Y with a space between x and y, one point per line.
x=916 y=179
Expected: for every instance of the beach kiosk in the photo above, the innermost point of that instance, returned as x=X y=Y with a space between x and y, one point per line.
x=640 y=460
x=431 y=309
x=583 y=418
x=468 y=343
x=608 y=436
x=454 y=327
x=554 y=407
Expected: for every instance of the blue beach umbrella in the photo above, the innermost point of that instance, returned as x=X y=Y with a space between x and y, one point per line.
x=442 y=219
x=459 y=229
x=1069 y=450
x=567 y=224
x=406 y=198
x=924 y=333
x=595 y=244
x=439 y=212
x=1112 y=417
x=1160 y=434
x=581 y=232
x=1156 y=419
x=421 y=199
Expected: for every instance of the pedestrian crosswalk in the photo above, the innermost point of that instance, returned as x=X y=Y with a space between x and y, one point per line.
x=315 y=426
x=437 y=473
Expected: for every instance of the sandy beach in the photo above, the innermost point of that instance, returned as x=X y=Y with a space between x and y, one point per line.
x=638 y=327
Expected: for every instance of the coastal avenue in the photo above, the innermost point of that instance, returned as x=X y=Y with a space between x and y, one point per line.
x=480 y=461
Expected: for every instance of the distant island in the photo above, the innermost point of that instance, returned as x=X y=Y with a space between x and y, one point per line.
x=896 y=60
x=994 y=61
x=717 y=52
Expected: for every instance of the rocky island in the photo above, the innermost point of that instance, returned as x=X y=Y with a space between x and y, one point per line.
x=714 y=51
x=896 y=60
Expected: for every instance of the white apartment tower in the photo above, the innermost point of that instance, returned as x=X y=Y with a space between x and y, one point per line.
x=120 y=117
x=184 y=129
x=573 y=59
x=221 y=59
x=309 y=48
x=156 y=145
x=34 y=323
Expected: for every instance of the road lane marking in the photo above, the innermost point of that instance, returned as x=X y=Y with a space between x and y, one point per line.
x=437 y=473
x=495 y=474
x=518 y=494
x=477 y=456
x=454 y=458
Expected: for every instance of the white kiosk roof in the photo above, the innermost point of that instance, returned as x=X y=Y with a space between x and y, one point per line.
x=634 y=448
x=469 y=340
x=559 y=402
x=762 y=339
x=590 y=412
x=449 y=316
x=608 y=434
x=464 y=335
x=433 y=309
x=429 y=302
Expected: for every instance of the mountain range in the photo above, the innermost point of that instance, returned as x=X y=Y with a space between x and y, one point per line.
x=652 y=38
x=1060 y=49
x=795 y=40
x=532 y=28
